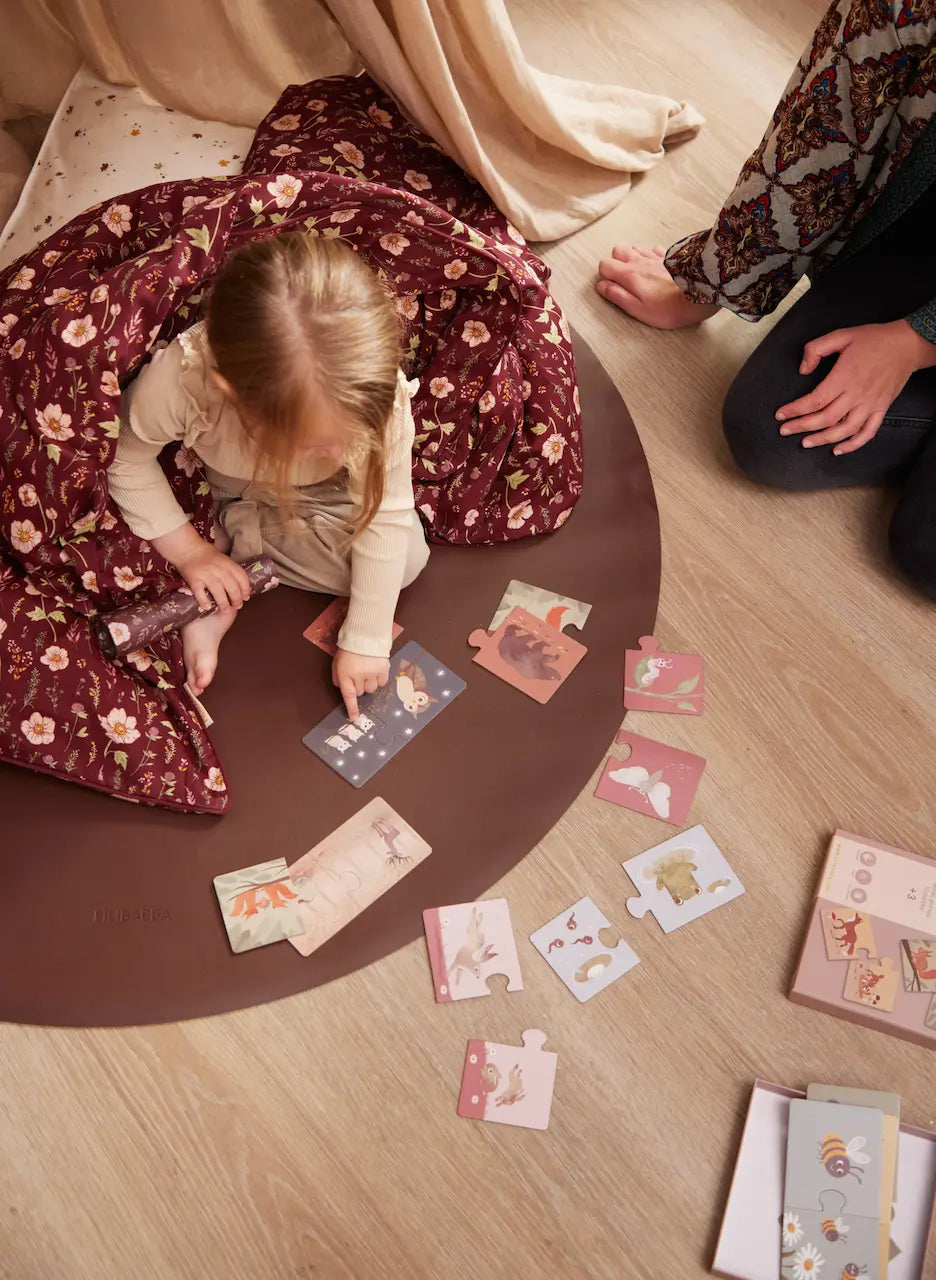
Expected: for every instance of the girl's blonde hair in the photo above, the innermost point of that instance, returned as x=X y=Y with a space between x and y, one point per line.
x=310 y=344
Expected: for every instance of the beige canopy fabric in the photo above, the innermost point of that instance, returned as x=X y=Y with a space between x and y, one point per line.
x=553 y=153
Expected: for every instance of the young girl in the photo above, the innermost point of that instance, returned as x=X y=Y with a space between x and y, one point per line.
x=291 y=395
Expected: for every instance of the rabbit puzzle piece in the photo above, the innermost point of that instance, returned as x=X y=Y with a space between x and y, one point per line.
x=323 y=631
x=681 y=879
x=467 y=944
x=658 y=681
x=573 y=946
x=259 y=905
x=872 y=982
x=846 y=933
x=558 y=611
x=528 y=653
x=657 y=780
x=505 y=1084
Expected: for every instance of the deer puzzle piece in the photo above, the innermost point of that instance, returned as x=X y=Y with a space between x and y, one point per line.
x=559 y=611
x=505 y=1084
x=323 y=632
x=846 y=932
x=528 y=653
x=659 y=681
x=259 y=905
x=872 y=982
x=344 y=873
x=918 y=958
x=579 y=947
x=467 y=944
x=681 y=879
x=657 y=780
x=420 y=688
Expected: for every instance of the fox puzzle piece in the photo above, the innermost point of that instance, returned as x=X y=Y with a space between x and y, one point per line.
x=681 y=879
x=872 y=982
x=528 y=653
x=846 y=933
x=558 y=611
x=323 y=632
x=918 y=958
x=657 y=780
x=509 y=1085
x=259 y=905
x=468 y=943
x=577 y=947
x=659 y=681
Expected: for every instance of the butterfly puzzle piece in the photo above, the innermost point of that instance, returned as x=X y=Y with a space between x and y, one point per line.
x=579 y=947
x=681 y=879
x=528 y=653
x=658 y=681
x=559 y=611
x=505 y=1084
x=655 y=779
x=872 y=982
x=259 y=905
x=467 y=944
x=323 y=631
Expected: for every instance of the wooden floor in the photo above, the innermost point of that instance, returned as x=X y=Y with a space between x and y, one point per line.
x=317 y=1137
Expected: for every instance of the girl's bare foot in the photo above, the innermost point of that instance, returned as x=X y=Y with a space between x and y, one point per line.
x=201 y=640
x=638 y=282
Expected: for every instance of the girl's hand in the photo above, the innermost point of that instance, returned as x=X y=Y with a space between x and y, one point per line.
x=355 y=674
x=214 y=578
x=850 y=403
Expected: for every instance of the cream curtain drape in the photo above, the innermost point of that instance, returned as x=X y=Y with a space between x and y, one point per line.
x=553 y=153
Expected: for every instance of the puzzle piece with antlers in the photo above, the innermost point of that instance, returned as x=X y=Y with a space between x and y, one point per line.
x=507 y=1084
x=559 y=611
x=528 y=653
x=681 y=879
x=582 y=949
x=658 y=681
x=653 y=778
x=468 y=943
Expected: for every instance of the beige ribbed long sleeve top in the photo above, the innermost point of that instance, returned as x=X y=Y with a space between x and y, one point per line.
x=175 y=399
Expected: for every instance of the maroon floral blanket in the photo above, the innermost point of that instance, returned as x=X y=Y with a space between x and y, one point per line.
x=498 y=446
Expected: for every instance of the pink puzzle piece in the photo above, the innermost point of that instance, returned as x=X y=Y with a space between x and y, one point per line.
x=509 y=1085
x=655 y=779
x=323 y=632
x=658 y=681
x=528 y=653
x=467 y=944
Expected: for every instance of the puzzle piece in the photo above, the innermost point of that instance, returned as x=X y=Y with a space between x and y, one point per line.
x=918 y=960
x=558 y=611
x=930 y=1019
x=578 y=947
x=323 y=632
x=259 y=905
x=658 y=681
x=506 y=1084
x=199 y=707
x=528 y=653
x=846 y=932
x=657 y=780
x=872 y=982
x=467 y=944
x=681 y=879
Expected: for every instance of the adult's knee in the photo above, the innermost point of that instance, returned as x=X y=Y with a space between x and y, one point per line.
x=753 y=436
x=913 y=542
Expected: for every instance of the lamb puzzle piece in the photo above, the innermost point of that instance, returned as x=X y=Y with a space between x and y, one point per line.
x=323 y=632
x=846 y=932
x=681 y=879
x=872 y=982
x=259 y=905
x=657 y=780
x=918 y=959
x=558 y=611
x=505 y=1084
x=467 y=944
x=528 y=653
x=573 y=947
x=658 y=681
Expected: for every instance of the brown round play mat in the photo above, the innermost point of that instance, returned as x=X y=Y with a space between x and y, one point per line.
x=108 y=914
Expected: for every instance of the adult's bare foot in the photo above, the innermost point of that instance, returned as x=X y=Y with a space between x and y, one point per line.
x=201 y=640
x=638 y=282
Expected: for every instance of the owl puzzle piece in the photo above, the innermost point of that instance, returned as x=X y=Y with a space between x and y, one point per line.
x=418 y=690
x=574 y=948
x=655 y=779
x=658 y=681
x=681 y=879
x=559 y=611
x=468 y=943
x=259 y=905
x=506 y=1084
x=323 y=632
x=528 y=653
